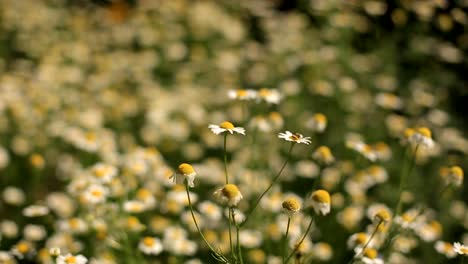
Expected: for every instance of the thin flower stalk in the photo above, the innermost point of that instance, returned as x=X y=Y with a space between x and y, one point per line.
x=285 y=239
x=296 y=248
x=367 y=243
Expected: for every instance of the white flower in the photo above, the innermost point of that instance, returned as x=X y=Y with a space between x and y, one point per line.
x=70 y=259
x=460 y=248
x=35 y=211
x=242 y=94
x=271 y=96
x=226 y=126
x=95 y=194
x=321 y=201
x=420 y=136
x=294 y=137
x=229 y=195
x=104 y=172
x=445 y=248
x=150 y=246
x=185 y=171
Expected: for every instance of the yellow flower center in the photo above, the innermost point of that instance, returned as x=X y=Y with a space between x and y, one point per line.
x=361 y=238
x=370 y=253
x=407 y=217
x=96 y=193
x=291 y=205
x=70 y=260
x=100 y=172
x=464 y=250
x=408 y=132
x=457 y=171
x=275 y=116
x=186 y=169
x=382 y=215
x=295 y=137
x=74 y=223
x=425 y=132
x=230 y=191
x=22 y=247
x=143 y=194
x=321 y=196
x=148 y=241
x=241 y=93
x=90 y=136
x=319 y=118
x=324 y=152
x=226 y=125
x=133 y=221
x=264 y=92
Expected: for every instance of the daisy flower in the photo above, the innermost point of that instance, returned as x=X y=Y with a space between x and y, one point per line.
x=460 y=249
x=150 y=246
x=370 y=256
x=452 y=175
x=291 y=206
x=242 y=94
x=445 y=248
x=420 y=136
x=294 y=137
x=186 y=171
x=317 y=123
x=70 y=259
x=226 y=126
x=271 y=96
x=229 y=195
x=323 y=154
x=321 y=201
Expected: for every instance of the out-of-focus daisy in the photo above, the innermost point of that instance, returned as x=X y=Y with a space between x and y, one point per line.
x=382 y=216
x=35 y=211
x=95 y=194
x=226 y=126
x=321 y=201
x=23 y=249
x=271 y=96
x=452 y=175
x=185 y=171
x=421 y=136
x=229 y=195
x=322 y=251
x=460 y=249
x=72 y=259
x=323 y=155
x=294 y=137
x=134 y=206
x=357 y=240
x=150 y=245
x=445 y=248
x=317 y=123
x=104 y=172
x=291 y=206
x=13 y=196
x=388 y=101
x=33 y=232
x=242 y=94
x=369 y=256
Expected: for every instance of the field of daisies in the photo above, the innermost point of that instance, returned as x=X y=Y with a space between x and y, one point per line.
x=240 y=132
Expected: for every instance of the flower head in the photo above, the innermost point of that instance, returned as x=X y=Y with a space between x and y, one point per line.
x=460 y=249
x=452 y=175
x=226 y=126
x=321 y=201
x=229 y=195
x=317 y=123
x=150 y=245
x=242 y=94
x=419 y=136
x=184 y=171
x=323 y=155
x=71 y=259
x=291 y=206
x=294 y=137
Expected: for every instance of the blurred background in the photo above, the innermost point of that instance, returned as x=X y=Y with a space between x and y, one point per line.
x=88 y=81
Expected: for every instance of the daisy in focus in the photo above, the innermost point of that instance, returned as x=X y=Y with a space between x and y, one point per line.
x=294 y=137
x=229 y=195
x=320 y=201
x=226 y=126
x=184 y=171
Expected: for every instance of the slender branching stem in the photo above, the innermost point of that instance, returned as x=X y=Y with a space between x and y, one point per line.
x=296 y=247
x=271 y=184
x=285 y=240
x=225 y=158
x=367 y=243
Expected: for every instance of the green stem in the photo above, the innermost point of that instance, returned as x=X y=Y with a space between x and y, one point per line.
x=218 y=254
x=462 y=260
x=403 y=180
x=271 y=184
x=239 y=250
x=296 y=247
x=225 y=159
x=367 y=243
x=285 y=239
x=230 y=234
